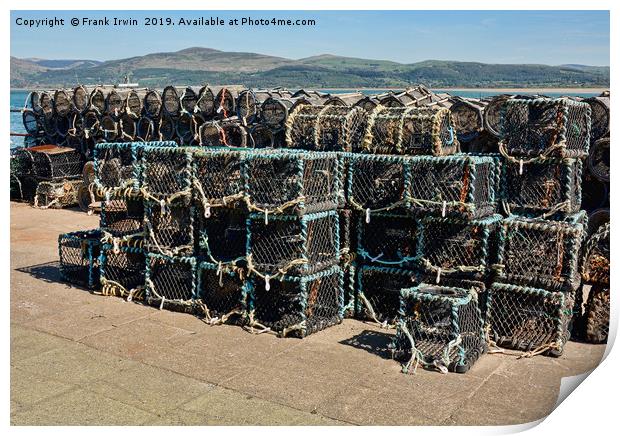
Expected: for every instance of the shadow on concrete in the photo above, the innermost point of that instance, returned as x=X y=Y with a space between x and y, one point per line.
x=48 y=272
x=371 y=341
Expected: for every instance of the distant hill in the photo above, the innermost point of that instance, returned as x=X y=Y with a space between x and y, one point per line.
x=197 y=65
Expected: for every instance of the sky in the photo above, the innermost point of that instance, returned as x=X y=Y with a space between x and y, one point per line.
x=538 y=37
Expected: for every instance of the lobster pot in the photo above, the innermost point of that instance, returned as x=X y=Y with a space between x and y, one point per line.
x=210 y=134
x=222 y=236
x=477 y=286
x=494 y=114
x=122 y=218
x=326 y=128
x=109 y=128
x=90 y=124
x=171 y=103
x=79 y=257
x=166 y=173
x=57 y=194
x=439 y=327
x=368 y=103
x=387 y=240
x=284 y=182
x=217 y=178
x=63 y=103
x=598 y=159
x=225 y=103
x=233 y=134
x=248 y=106
x=468 y=119
x=117 y=167
x=188 y=100
x=133 y=104
x=349 y=271
x=152 y=104
x=186 y=125
x=222 y=291
x=97 y=101
x=376 y=183
x=114 y=104
x=22 y=187
x=169 y=230
x=542 y=126
x=54 y=163
x=46 y=103
x=292 y=245
x=32 y=122
x=455 y=247
x=529 y=319
x=541 y=253
x=298 y=306
x=261 y=136
x=127 y=127
x=167 y=128
x=122 y=269
x=410 y=131
x=460 y=186
x=62 y=126
x=595 y=260
x=146 y=130
x=600 y=116
x=206 y=103
x=546 y=187
x=378 y=292
x=274 y=111
x=171 y=282
x=596 y=315
x=345 y=99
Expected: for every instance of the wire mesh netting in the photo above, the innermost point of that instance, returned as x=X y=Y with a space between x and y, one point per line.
x=32 y=122
x=298 y=306
x=133 y=104
x=326 y=128
x=223 y=236
x=461 y=186
x=117 y=167
x=127 y=127
x=166 y=173
x=410 y=131
x=80 y=98
x=79 y=257
x=598 y=159
x=97 y=101
x=542 y=188
x=206 y=102
x=57 y=194
x=188 y=100
x=261 y=136
x=122 y=217
x=595 y=258
x=223 y=293
x=275 y=111
x=108 y=127
x=171 y=282
x=49 y=162
x=233 y=134
x=225 y=103
x=186 y=127
x=376 y=183
x=217 y=178
x=171 y=103
x=529 y=319
x=388 y=240
x=468 y=119
x=285 y=182
x=378 y=292
x=114 y=103
x=292 y=245
x=597 y=315
x=600 y=116
x=539 y=252
x=169 y=229
x=152 y=104
x=22 y=187
x=122 y=270
x=63 y=103
x=543 y=126
x=455 y=247
x=439 y=328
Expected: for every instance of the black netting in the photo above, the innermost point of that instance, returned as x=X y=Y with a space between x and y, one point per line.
x=186 y=125
x=133 y=104
x=439 y=327
x=52 y=163
x=528 y=318
x=32 y=122
x=274 y=111
x=46 y=102
x=62 y=103
x=597 y=315
x=122 y=269
x=122 y=217
x=90 y=124
x=57 y=194
x=127 y=127
x=532 y=127
x=305 y=183
x=22 y=187
x=171 y=282
x=225 y=103
x=222 y=235
x=79 y=257
x=233 y=134
x=299 y=307
x=169 y=230
x=63 y=124
x=410 y=131
x=108 y=128
x=167 y=128
x=217 y=177
x=598 y=159
x=540 y=252
x=97 y=101
x=114 y=103
x=494 y=114
x=457 y=247
x=211 y=134
x=293 y=245
x=454 y=185
x=596 y=255
x=261 y=136
x=387 y=240
x=542 y=187
x=247 y=106
x=326 y=128
x=378 y=292
x=171 y=103
x=376 y=182
x=221 y=291
x=152 y=104
x=206 y=102
x=600 y=116
x=467 y=116
x=188 y=100
x=166 y=173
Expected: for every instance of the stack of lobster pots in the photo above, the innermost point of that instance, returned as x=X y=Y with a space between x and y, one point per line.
x=537 y=271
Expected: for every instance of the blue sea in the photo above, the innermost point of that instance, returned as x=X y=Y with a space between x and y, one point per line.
x=19 y=97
